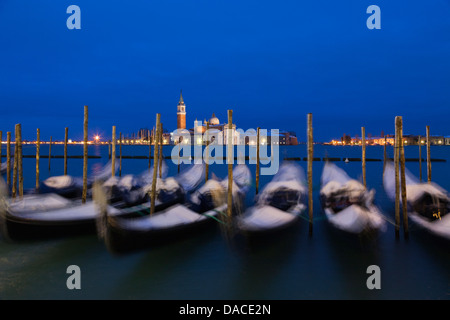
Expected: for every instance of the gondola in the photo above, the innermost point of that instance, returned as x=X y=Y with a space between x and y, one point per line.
x=278 y=206
x=347 y=204
x=428 y=204
x=71 y=187
x=50 y=215
x=205 y=206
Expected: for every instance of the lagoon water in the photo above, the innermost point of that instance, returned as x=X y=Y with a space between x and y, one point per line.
x=290 y=266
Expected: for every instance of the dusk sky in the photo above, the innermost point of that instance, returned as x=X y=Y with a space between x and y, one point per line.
x=272 y=62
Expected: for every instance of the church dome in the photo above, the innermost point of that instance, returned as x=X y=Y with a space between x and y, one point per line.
x=214 y=120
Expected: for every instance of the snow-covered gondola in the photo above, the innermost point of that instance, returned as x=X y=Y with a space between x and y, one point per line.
x=347 y=204
x=71 y=187
x=428 y=204
x=279 y=205
x=202 y=208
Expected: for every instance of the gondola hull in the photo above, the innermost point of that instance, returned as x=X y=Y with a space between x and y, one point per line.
x=261 y=221
x=438 y=227
x=122 y=236
x=278 y=206
x=19 y=230
x=50 y=215
x=204 y=207
x=434 y=221
x=356 y=219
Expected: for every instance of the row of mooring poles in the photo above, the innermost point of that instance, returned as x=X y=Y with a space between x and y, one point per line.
x=400 y=168
x=428 y=151
x=17 y=166
x=16 y=184
x=113 y=150
x=399 y=162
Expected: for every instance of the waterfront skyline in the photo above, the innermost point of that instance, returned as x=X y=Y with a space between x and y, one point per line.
x=271 y=63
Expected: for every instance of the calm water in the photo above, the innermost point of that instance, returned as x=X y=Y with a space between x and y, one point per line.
x=328 y=265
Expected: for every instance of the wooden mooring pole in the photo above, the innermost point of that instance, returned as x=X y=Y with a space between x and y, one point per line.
x=420 y=158
x=16 y=163
x=310 y=170
x=113 y=152
x=66 y=139
x=403 y=179
x=257 y=160
x=206 y=153
x=384 y=153
x=38 y=150
x=8 y=159
x=397 y=180
x=19 y=159
x=85 y=154
x=160 y=150
x=230 y=164
x=363 y=144
x=149 y=150
x=120 y=154
x=155 y=167
x=179 y=156
x=49 y=152
x=428 y=155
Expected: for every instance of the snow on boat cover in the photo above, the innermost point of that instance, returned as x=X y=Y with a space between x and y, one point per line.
x=415 y=193
x=180 y=215
x=263 y=216
x=356 y=217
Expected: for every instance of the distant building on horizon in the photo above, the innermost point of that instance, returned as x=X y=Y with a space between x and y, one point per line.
x=389 y=139
x=219 y=130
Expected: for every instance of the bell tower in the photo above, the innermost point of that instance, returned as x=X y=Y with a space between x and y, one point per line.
x=181 y=113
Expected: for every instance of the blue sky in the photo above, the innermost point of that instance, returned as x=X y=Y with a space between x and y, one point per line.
x=272 y=62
